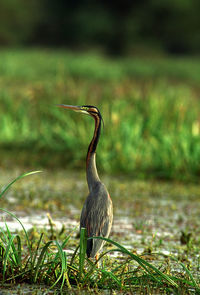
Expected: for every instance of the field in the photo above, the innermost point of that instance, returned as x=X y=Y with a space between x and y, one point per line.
x=150 y=109
x=148 y=157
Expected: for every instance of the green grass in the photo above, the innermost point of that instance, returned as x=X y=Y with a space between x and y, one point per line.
x=48 y=263
x=41 y=261
x=150 y=108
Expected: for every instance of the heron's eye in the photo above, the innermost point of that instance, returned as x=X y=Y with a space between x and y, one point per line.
x=85 y=108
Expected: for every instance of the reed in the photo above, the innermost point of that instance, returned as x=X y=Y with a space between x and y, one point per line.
x=151 y=116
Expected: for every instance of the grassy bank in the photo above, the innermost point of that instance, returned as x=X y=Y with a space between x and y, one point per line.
x=55 y=259
x=150 y=109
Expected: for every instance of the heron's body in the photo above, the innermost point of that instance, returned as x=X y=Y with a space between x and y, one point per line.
x=95 y=217
x=97 y=212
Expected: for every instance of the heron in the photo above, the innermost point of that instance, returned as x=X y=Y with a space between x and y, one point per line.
x=97 y=212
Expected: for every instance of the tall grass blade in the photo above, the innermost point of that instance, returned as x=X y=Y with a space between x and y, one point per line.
x=19 y=177
x=36 y=251
x=8 y=255
x=62 y=246
x=14 y=216
x=40 y=260
x=19 y=252
x=63 y=260
x=82 y=253
x=16 y=253
x=189 y=274
x=112 y=276
x=144 y=264
x=25 y=232
x=191 y=277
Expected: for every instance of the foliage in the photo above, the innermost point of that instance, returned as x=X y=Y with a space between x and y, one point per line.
x=49 y=263
x=151 y=117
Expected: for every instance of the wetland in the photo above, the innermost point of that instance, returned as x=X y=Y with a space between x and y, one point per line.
x=154 y=219
x=148 y=156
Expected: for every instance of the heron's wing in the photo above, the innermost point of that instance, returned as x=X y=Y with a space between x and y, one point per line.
x=85 y=222
x=96 y=217
x=100 y=228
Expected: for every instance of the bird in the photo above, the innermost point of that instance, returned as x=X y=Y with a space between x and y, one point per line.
x=97 y=212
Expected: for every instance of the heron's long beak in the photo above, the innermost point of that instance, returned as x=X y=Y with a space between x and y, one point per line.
x=65 y=106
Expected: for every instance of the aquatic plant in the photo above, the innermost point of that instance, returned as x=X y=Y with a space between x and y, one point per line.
x=48 y=262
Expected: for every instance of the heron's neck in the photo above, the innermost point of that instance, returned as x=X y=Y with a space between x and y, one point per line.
x=92 y=174
x=91 y=169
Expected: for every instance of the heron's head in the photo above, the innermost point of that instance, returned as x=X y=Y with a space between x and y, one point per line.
x=85 y=109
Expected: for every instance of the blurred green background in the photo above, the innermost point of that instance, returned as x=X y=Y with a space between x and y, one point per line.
x=138 y=61
x=115 y=26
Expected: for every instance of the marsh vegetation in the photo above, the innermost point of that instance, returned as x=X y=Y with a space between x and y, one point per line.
x=148 y=157
x=156 y=223
x=150 y=109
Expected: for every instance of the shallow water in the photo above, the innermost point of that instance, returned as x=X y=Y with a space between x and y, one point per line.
x=149 y=216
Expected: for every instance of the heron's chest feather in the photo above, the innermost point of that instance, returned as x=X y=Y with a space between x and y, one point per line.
x=99 y=202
